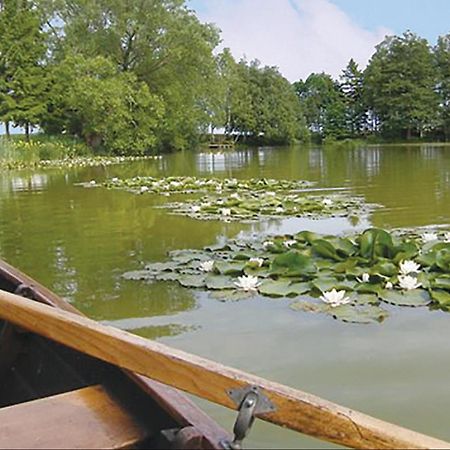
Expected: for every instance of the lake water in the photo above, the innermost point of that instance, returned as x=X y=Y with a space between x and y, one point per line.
x=79 y=242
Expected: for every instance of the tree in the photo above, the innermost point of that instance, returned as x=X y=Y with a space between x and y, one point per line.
x=442 y=58
x=351 y=85
x=261 y=104
x=324 y=105
x=23 y=83
x=400 y=85
x=160 y=41
x=107 y=108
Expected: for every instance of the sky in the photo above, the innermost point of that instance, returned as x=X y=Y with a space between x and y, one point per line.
x=305 y=36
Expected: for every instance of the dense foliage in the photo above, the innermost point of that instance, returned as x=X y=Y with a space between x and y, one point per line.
x=133 y=77
x=144 y=76
x=403 y=93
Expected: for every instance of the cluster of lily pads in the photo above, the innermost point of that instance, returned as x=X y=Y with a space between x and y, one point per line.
x=252 y=206
x=191 y=185
x=351 y=278
x=71 y=162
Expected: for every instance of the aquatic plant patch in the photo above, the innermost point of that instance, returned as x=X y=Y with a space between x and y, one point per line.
x=253 y=206
x=351 y=278
x=190 y=185
x=70 y=162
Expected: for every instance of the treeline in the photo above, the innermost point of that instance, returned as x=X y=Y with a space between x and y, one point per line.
x=133 y=76
x=404 y=93
x=140 y=76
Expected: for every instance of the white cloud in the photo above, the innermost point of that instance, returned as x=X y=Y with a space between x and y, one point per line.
x=298 y=36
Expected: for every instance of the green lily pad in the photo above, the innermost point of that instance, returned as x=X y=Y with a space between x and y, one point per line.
x=219 y=282
x=283 y=288
x=230 y=268
x=292 y=264
x=192 y=281
x=415 y=298
x=441 y=283
x=364 y=314
x=441 y=297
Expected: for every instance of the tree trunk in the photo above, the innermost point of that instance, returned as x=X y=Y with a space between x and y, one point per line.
x=27 y=132
x=408 y=134
x=7 y=131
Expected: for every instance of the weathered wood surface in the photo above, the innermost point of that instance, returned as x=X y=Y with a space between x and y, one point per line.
x=86 y=418
x=176 y=404
x=296 y=410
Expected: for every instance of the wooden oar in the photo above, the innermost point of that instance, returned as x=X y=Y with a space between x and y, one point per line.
x=206 y=379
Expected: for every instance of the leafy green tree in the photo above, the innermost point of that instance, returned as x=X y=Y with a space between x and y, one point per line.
x=161 y=42
x=400 y=85
x=23 y=84
x=351 y=84
x=106 y=108
x=442 y=57
x=262 y=105
x=324 y=105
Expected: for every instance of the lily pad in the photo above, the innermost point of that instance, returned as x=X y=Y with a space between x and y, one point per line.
x=292 y=264
x=283 y=288
x=441 y=297
x=219 y=282
x=415 y=298
x=192 y=281
x=365 y=314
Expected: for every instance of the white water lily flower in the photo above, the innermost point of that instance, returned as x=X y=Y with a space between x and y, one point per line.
x=115 y=180
x=327 y=201
x=258 y=261
x=335 y=298
x=407 y=267
x=206 y=205
x=389 y=286
x=408 y=283
x=365 y=278
x=289 y=244
x=271 y=194
x=143 y=189
x=279 y=210
x=225 y=212
x=92 y=182
x=207 y=266
x=429 y=237
x=248 y=283
x=235 y=196
x=196 y=208
x=175 y=184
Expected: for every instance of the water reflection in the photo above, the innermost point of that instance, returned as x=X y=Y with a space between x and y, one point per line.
x=79 y=242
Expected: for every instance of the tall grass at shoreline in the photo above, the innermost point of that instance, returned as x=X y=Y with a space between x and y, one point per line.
x=16 y=152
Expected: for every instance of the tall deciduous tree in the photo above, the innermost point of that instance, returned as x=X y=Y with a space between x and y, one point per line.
x=261 y=104
x=107 y=108
x=323 y=104
x=23 y=82
x=400 y=85
x=442 y=56
x=161 y=42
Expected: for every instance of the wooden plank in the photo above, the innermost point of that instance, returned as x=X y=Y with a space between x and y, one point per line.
x=177 y=405
x=86 y=418
x=295 y=409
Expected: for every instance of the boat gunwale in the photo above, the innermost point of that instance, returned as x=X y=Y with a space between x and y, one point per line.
x=175 y=403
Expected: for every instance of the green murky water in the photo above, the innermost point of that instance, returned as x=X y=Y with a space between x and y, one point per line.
x=80 y=241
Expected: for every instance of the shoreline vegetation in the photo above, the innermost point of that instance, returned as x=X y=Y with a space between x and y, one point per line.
x=149 y=80
x=43 y=151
